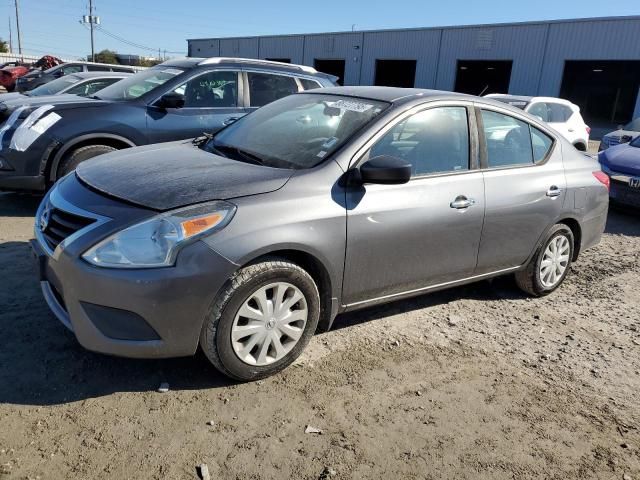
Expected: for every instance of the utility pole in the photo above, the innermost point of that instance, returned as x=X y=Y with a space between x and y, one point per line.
x=10 y=37
x=92 y=20
x=18 y=28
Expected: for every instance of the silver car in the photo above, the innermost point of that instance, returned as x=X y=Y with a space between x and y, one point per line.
x=246 y=242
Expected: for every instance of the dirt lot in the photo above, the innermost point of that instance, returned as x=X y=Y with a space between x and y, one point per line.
x=478 y=382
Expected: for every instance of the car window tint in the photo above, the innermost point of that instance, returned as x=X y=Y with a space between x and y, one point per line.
x=309 y=84
x=508 y=140
x=559 y=113
x=98 y=68
x=541 y=144
x=265 y=88
x=217 y=89
x=71 y=69
x=89 y=88
x=540 y=110
x=433 y=141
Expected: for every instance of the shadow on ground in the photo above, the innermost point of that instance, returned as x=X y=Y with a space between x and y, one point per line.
x=19 y=204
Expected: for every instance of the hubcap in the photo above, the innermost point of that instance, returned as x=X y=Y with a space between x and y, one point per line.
x=269 y=324
x=554 y=261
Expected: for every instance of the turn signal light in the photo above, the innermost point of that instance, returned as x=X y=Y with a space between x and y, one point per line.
x=194 y=226
x=603 y=178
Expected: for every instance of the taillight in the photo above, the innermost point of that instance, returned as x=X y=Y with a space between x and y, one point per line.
x=588 y=130
x=603 y=178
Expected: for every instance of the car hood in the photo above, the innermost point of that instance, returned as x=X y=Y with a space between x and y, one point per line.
x=177 y=174
x=14 y=102
x=622 y=158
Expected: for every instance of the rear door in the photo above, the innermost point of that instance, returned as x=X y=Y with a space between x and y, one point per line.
x=524 y=187
x=403 y=238
x=211 y=100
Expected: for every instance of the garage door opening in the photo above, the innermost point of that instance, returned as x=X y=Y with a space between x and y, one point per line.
x=332 y=67
x=395 y=73
x=480 y=77
x=605 y=91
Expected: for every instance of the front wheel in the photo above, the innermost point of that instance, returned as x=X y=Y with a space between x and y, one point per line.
x=550 y=265
x=262 y=320
x=79 y=155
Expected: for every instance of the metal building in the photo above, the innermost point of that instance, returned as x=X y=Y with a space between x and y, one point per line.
x=594 y=62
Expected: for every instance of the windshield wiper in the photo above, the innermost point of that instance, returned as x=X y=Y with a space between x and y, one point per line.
x=203 y=139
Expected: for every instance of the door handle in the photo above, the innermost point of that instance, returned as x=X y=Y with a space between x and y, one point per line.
x=554 y=191
x=461 y=202
x=230 y=120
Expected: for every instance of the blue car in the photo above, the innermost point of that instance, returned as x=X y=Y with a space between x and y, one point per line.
x=622 y=164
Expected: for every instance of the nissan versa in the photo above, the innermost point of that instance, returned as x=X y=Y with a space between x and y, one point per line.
x=44 y=138
x=248 y=241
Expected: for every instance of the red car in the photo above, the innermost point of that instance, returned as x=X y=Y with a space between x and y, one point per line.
x=8 y=76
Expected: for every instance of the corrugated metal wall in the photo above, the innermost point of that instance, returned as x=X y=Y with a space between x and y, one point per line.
x=524 y=45
x=343 y=46
x=420 y=45
x=538 y=50
x=588 y=40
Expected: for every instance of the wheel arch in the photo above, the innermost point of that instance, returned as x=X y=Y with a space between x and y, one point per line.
x=318 y=271
x=115 y=141
x=576 y=229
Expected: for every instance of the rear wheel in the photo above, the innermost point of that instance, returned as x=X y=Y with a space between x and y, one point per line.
x=79 y=155
x=550 y=265
x=262 y=320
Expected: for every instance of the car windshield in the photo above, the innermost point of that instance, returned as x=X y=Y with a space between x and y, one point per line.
x=635 y=142
x=633 y=126
x=139 y=84
x=53 y=87
x=296 y=132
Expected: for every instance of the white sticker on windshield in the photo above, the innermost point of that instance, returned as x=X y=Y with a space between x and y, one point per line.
x=352 y=106
x=321 y=154
x=172 y=71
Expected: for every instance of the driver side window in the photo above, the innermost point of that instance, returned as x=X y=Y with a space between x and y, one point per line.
x=218 y=89
x=433 y=141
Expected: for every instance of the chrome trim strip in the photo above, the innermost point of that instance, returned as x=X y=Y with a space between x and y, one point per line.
x=432 y=287
x=55 y=199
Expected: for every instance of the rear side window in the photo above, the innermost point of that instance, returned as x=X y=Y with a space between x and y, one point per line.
x=540 y=110
x=265 y=88
x=68 y=69
x=309 y=84
x=559 y=113
x=508 y=140
x=541 y=143
x=433 y=141
x=98 y=68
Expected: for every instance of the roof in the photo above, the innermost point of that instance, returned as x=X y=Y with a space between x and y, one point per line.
x=442 y=27
x=391 y=94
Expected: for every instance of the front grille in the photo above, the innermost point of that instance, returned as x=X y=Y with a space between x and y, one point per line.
x=56 y=225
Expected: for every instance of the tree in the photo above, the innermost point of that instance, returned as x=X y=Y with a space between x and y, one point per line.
x=105 y=56
x=4 y=48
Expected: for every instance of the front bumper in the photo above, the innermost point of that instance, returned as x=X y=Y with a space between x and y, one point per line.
x=141 y=313
x=22 y=183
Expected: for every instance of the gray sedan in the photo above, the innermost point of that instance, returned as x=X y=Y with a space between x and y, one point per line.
x=247 y=242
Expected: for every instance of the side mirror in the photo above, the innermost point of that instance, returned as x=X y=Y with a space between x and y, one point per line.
x=171 y=100
x=386 y=170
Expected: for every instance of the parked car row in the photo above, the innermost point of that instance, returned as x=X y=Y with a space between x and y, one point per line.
x=244 y=234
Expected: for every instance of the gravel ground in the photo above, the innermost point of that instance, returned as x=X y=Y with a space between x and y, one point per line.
x=478 y=382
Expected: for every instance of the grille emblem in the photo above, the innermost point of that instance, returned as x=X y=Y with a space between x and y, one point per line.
x=634 y=182
x=44 y=218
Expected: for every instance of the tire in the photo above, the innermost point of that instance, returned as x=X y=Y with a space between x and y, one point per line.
x=73 y=159
x=531 y=280
x=224 y=318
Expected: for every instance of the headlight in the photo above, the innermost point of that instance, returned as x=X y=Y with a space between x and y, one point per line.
x=156 y=242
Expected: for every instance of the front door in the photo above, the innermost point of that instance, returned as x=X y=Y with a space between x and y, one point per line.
x=402 y=238
x=210 y=102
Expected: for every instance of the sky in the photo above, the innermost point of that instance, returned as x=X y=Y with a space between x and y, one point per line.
x=52 y=26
